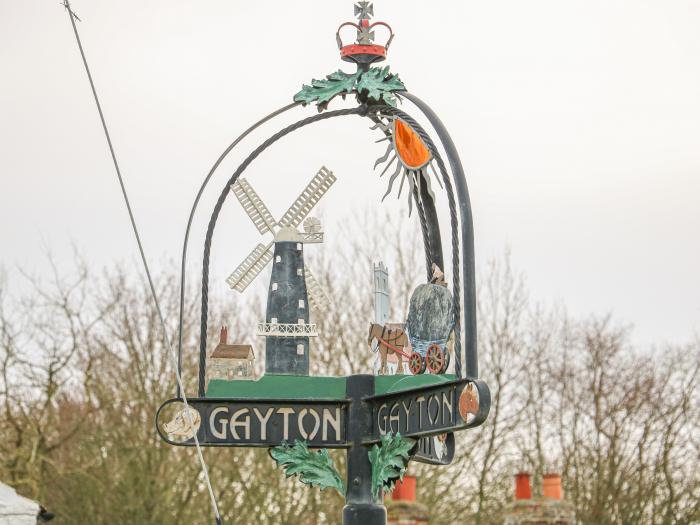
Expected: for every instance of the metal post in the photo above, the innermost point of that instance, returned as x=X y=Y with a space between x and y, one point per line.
x=359 y=508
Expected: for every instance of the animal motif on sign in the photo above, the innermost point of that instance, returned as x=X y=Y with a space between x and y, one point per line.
x=468 y=402
x=440 y=444
x=184 y=425
x=389 y=341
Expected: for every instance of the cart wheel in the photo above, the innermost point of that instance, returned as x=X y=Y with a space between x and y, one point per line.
x=416 y=363
x=447 y=362
x=435 y=357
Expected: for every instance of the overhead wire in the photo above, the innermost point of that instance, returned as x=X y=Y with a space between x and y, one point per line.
x=166 y=337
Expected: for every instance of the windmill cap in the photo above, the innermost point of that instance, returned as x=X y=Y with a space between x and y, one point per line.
x=288 y=234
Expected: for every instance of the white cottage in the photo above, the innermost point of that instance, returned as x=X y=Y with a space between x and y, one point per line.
x=230 y=362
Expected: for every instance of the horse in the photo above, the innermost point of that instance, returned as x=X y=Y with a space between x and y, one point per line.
x=468 y=402
x=394 y=337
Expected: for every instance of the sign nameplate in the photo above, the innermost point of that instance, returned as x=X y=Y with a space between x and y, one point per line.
x=264 y=423
x=431 y=410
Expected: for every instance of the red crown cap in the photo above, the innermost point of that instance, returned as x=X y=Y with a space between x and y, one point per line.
x=364 y=50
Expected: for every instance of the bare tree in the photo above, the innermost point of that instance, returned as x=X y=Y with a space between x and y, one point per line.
x=83 y=369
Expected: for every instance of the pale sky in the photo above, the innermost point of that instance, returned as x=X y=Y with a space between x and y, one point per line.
x=578 y=124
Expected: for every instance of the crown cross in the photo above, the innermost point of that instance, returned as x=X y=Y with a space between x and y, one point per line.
x=365 y=37
x=364 y=10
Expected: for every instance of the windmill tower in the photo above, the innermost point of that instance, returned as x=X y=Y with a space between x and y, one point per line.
x=293 y=289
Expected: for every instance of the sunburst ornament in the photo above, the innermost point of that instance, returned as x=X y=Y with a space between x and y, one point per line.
x=411 y=155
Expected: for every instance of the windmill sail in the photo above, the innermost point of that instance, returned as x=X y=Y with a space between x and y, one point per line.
x=253 y=206
x=318 y=300
x=313 y=192
x=250 y=267
x=263 y=220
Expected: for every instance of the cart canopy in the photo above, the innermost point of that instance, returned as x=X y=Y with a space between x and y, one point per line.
x=430 y=313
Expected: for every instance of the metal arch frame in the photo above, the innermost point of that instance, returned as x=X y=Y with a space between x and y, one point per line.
x=454 y=222
x=358 y=110
x=467 y=229
x=429 y=226
x=427 y=215
x=361 y=110
x=183 y=272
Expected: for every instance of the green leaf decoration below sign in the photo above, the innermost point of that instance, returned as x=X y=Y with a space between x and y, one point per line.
x=389 y=460
x=380 y=85
x=376 y=84
x=313 y=468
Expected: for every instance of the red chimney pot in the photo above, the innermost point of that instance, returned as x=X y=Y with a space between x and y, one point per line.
x=522 y=486
x=551 y=486
x=405 y=490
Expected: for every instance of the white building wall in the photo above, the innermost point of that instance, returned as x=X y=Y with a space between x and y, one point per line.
x=16 y=509
x=381 y=293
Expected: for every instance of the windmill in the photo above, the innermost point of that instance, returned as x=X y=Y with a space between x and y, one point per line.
x=293 y=287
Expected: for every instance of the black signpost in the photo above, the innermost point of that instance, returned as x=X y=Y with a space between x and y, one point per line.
x=383 y=422
x=419 y=414
x=360 y=507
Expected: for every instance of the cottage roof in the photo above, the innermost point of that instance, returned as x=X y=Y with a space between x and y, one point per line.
x=224 y=351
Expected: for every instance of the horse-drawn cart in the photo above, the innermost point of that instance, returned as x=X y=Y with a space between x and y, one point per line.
x=430 y=328
x=427 y=337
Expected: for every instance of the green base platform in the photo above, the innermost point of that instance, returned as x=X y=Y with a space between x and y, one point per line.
x=273 y=386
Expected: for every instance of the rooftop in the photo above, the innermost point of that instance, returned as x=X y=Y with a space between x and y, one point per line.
x=224 y=351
